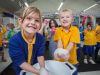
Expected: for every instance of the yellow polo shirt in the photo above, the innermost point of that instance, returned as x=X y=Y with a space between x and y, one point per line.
x=72 y=36
x=1 y=35
x=89 y=37
x=98 y=34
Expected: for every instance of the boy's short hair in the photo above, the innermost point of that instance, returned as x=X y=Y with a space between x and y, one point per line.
x=66 y=10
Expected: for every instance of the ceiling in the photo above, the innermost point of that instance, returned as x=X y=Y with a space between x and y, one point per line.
x=13 y=5
x=49 y=7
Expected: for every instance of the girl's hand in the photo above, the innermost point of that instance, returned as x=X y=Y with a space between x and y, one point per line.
x=37 y=72
x=44 y=71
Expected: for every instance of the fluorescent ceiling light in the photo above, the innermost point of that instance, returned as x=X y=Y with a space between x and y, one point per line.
x=90 y=7
x=26 y=4
x=60 y=6
x=56 y=13
x=12 y=0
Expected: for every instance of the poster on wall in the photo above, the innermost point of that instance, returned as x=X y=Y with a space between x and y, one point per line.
x=1 y=19
x=76 y=21
x=58 y=22
x=7 y=20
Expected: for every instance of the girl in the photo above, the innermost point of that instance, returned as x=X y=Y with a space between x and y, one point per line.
x=52 y=45
x=27 y=47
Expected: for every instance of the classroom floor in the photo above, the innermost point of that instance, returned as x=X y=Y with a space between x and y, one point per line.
x=4 y=65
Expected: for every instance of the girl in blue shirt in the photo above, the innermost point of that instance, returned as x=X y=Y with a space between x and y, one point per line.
x=27 y=47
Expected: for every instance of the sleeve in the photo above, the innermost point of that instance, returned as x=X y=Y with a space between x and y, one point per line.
x=4 y=30
x=75 y=37
x=15 y=52
x=85 y=31
x=8 y=36
x=96 y=28
x=57 y=35
x=41 y=49
x=95 y=35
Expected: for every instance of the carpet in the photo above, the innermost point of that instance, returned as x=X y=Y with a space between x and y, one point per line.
x=81 y=68
x=8 y=71
x=88 y=67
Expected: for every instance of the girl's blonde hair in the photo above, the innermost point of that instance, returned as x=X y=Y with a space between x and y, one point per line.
x=27 y=10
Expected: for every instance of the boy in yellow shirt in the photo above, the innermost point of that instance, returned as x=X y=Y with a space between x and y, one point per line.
x=89 y=44
x=2 y=32
x=67 y=36
x=98 y=41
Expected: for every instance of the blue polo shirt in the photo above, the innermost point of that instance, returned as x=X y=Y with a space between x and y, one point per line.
x=18 y=50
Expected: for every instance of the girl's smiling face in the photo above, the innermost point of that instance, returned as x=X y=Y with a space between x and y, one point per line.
x=31 y=24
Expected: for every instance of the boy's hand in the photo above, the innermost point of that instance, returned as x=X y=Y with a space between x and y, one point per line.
x=66 y=55
x=61 y=53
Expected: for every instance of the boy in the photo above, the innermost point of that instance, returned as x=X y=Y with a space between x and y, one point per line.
x=98 y=42
x=89 y=44
x=2 y=32
x=67 y=36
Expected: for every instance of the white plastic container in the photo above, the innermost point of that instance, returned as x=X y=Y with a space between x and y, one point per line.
x=54 y=68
